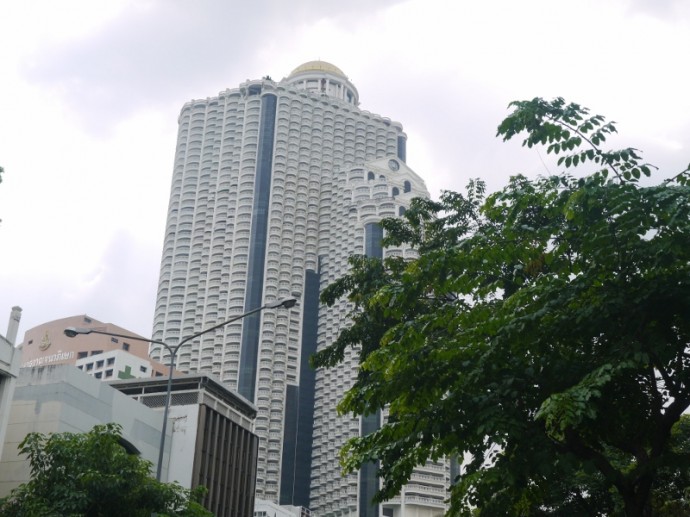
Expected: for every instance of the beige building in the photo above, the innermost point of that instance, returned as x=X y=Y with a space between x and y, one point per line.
x=104 y=357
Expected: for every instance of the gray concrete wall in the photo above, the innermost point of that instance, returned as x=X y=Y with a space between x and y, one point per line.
x=61 y=398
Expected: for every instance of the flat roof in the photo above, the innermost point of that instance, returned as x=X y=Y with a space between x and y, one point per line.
x=185 y=382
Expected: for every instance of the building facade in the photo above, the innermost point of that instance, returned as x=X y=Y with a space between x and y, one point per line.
x=118 y=364
x=275 y=185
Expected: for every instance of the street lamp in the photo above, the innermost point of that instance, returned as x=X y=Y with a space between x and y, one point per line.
x=73 y=332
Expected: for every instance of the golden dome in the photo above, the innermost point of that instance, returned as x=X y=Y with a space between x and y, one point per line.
x=318 y=66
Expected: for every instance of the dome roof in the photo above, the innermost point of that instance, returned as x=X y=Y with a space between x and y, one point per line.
x=318 y=66
x=323 y=79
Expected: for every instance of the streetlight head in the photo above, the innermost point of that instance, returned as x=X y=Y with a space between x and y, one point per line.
x=288 y=303
x=73 y=331
x=284 y=302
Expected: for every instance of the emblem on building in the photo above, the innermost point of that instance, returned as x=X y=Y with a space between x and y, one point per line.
x=45 y=342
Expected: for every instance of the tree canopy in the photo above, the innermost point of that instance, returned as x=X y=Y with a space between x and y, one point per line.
x=541 y=336
x=92 y=474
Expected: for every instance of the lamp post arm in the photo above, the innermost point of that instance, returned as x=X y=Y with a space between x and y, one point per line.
x=173 y=352
x=125 y=336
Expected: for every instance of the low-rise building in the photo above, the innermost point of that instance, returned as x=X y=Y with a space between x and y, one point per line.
x=104 y=357
x=212 y=440
x=268 y=509
x=60 y=398
x=118 y=364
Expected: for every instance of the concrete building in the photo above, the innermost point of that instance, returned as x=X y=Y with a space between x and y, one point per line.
x=118 y=364
x=60 y=398
x=209 y=441
x=275 y=185
x=267 y=509
x=104 y=357
x=9 y=369
x=212 y=440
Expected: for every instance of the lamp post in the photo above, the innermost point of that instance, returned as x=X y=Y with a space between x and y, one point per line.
x=73 y=332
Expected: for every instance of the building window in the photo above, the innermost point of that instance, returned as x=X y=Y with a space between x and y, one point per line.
x=81 y=355
x=87 y=319
x=81 y=367
x=396 y=191
x=31 y=341
x=142 y=369
x=114 y=340
x=371 y=176
x=111 y=361
x=407 y=186
x=98 y=375
x=401 y=210
x=159 y=374
x=373 y=235
x=125 y=347
x=96 y=352
x=89 y=367
x=99 y=364
x=108 y=373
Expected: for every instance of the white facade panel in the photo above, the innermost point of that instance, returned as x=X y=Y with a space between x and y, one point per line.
x=185 y=424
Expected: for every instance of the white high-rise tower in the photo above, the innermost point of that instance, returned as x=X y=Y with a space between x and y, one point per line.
x=275 y=185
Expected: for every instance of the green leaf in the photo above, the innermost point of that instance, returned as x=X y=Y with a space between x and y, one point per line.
x=92 y=474
x=540 y=334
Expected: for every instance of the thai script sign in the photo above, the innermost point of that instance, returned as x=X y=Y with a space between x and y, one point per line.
x=47 y=359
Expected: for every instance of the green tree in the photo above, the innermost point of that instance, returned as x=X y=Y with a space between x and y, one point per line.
x=541 y=336
x=92 y=474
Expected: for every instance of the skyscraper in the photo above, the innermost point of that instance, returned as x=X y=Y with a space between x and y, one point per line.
x=275 y=185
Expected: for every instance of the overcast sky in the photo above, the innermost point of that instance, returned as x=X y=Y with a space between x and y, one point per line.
x=91 y=91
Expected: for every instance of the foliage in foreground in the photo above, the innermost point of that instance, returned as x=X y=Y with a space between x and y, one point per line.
x=541 y=335
x=91 y=474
